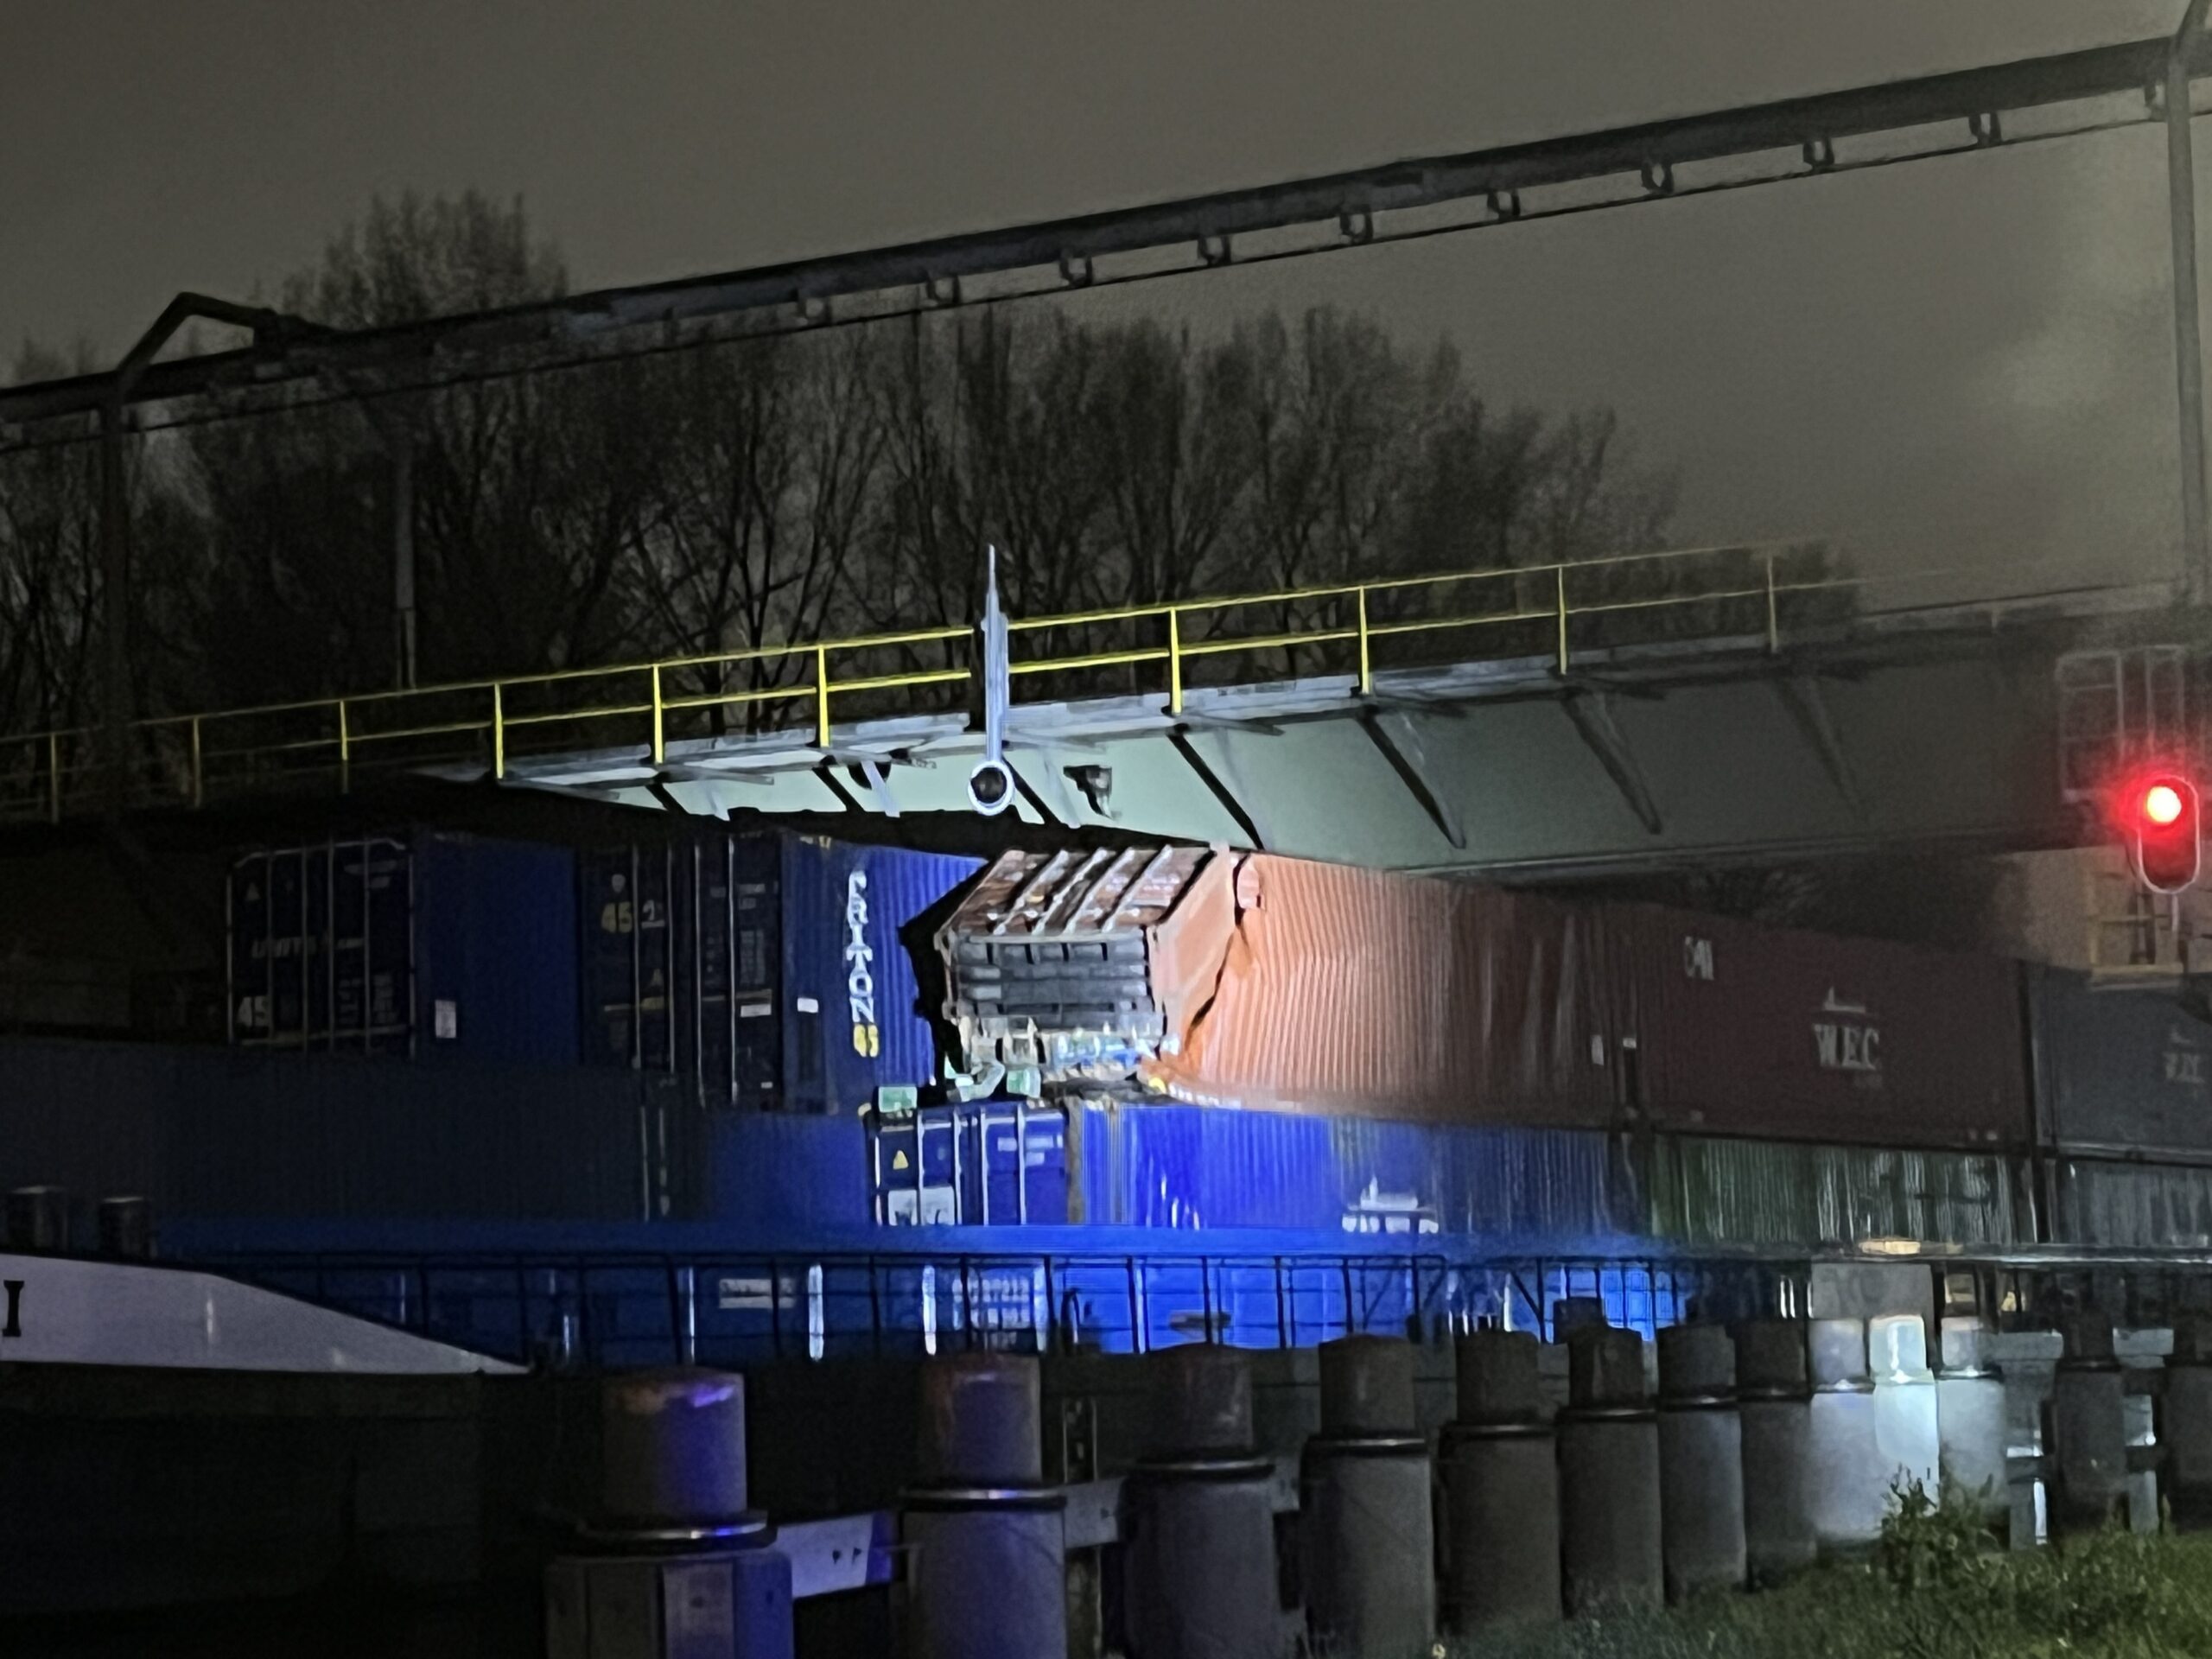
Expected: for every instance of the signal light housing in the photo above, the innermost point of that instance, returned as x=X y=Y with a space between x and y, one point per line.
x=2166 y=832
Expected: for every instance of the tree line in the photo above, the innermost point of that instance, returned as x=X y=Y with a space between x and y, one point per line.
x=721 y=498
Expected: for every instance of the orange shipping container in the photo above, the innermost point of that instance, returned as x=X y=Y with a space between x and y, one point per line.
x=1342 y=990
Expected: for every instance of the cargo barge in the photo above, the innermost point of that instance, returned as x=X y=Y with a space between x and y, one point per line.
x=803 y=1048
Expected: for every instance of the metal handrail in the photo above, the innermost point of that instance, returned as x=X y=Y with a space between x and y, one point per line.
x=875 y=1301
x=342 y=728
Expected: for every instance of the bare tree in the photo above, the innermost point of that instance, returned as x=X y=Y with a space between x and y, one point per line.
x=740 y=496
x=773 y=455
x=50 y=570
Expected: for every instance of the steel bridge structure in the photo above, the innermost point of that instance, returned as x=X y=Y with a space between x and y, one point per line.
x=1691 y=704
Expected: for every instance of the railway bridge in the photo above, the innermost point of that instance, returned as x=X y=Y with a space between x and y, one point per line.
x=1686 y=706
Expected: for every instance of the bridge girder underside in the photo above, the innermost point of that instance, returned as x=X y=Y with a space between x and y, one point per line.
x=1723 y=752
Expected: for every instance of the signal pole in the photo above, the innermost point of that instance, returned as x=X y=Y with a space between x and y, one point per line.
x=2188 y=345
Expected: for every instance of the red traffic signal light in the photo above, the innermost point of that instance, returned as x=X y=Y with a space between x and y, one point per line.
x=2166 y=831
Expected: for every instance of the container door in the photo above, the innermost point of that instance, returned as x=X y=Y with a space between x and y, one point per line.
x=277 y=992
x=855 y=1020
x=630 y=960
x=1023 y=1161
x=252 y=1003
x=709 y=1018
x=917 y=1170
x=757 y=951
x=369 y=980
x=497 y=932
x=741 y=1039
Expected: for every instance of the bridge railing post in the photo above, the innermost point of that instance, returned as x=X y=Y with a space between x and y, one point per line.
x=198 y=773
x=1773 y=617
x=498 y=734
x=1174 y=661
x=660 y=715
x=1558 y=580
x=821 y=697
x=1366 y=667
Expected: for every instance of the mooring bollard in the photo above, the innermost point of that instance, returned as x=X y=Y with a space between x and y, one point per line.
x=1701 y=1462
x=2186 y=1428
x=1848 y=1484
x=987 y=1574
x=1200 y=1556
x=1906 y=1436
x=1609 y=1519
x=671 y=1552
x=1370 y=1519
x=1774 y=1400
x=1973 y=1422
x=2087 y=1417
x=1501 y=1489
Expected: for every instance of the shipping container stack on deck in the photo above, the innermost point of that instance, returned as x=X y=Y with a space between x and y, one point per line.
x=1252 y=1040
x=425 y=943
x=779 y=971
x=1190 y=1038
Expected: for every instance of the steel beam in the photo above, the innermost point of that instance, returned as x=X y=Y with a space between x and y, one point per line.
x=1590 y=713
x=1399 y=741
x=1809 y=706
x=1218 y=787
x=805 y=293
x=2188 y=345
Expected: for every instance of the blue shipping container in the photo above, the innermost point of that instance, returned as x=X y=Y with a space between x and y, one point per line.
x=1202 y=1167
x=432 y=944
x=777 y=970
x=206 y=1133
x=991 y=1164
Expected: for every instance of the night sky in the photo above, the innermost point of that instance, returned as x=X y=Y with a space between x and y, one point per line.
x=1962 y=358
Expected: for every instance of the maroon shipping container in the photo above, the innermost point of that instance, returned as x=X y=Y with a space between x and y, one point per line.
x=1747 y=1030
x=1342 y=990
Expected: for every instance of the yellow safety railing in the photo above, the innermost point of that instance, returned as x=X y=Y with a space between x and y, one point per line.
x=182 y=758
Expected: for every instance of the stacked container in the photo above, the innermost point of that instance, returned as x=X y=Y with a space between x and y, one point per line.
x=778 y=971
x=1787 y=1035
x=2125 y=1085
x=428 y=943
x=1281 y=984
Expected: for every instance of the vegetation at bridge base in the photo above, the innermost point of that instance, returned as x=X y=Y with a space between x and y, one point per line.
x=1936 y=1589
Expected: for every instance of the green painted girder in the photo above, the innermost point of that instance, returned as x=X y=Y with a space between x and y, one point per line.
x=1939 y=734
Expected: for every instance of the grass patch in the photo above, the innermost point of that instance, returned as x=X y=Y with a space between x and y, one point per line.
x=1936 y=1589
